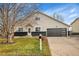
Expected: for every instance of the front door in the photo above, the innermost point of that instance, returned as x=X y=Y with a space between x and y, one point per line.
x=29 y=31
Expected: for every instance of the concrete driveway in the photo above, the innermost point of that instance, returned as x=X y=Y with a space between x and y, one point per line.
x=63 y=46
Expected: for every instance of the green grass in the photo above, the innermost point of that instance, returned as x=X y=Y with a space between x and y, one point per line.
x=24 y=47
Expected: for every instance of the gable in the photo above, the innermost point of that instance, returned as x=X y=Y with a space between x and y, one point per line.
x=49 y=21
x=44 y=18
x=75 y=21
x=56 y=20
x=75 y=26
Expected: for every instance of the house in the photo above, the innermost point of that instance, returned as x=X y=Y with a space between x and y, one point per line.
x=40 y=23
x=75 y=26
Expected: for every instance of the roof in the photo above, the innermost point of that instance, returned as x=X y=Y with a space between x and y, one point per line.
x=75 y=20
x=53 y=18
x=45 y=15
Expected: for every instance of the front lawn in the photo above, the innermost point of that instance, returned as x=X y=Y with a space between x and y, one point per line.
x=24 y=47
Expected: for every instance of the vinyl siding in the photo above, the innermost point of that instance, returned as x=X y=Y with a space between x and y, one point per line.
x=75 y=26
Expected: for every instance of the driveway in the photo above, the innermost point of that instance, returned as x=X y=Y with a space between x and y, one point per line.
x=63 y=46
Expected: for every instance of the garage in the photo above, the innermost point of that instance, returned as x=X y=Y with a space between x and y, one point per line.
x=56 y=32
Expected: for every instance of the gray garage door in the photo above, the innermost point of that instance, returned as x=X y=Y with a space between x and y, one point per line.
x=56 y=31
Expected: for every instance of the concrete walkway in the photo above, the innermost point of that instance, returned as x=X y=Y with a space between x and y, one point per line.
x=62 y=46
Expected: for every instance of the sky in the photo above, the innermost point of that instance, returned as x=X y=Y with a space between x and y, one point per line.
x=69 y=11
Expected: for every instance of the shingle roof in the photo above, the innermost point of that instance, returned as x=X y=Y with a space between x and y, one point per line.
x=53 y=18
x=45 y=15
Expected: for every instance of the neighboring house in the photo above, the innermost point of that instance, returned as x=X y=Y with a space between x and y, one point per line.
x=40 y=23
x=75 y=26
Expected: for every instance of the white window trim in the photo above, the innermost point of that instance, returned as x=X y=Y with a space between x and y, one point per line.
x=37 y=27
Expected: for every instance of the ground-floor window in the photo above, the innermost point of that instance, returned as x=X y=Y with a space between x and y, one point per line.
x=20 y=29
x=37 y=29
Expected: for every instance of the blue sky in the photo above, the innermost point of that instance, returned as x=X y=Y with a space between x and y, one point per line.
x=69 y=11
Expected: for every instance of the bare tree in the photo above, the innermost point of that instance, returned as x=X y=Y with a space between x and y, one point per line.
x=10 y=14
x=58 y=17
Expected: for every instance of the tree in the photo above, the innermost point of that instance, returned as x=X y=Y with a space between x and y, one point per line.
x=58 y=17
x=10 y=13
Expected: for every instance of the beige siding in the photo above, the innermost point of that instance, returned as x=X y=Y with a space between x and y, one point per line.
x=75 y=26
x=44 y=22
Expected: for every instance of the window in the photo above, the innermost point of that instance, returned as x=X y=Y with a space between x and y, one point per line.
x=37 y=18
x=37 y=29
x=20 y=29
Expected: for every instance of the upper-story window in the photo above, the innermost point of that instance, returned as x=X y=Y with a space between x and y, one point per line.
x=20 y=29
x=37 y=18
